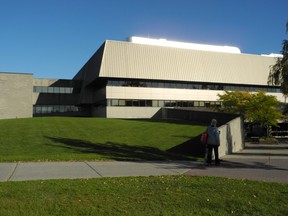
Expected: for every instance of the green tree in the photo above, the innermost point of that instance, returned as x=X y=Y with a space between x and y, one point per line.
x=255 y=107
x=262 y=109
x=279 y=72
x=234 y=102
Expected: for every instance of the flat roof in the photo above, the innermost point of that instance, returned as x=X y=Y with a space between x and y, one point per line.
x=183 y=45
x=15 y=73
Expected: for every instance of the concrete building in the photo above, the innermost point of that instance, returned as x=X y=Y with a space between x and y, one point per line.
x=15 y=95
x=135 y=78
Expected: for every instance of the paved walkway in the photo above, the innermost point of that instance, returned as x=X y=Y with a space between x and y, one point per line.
x=256 y=162
x=259 y=162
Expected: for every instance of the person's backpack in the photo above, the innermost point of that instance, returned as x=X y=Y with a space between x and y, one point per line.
x=204 y=137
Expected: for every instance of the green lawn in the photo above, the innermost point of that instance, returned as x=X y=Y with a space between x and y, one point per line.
x=62 y=139
x=169 y=195
x=41 y=139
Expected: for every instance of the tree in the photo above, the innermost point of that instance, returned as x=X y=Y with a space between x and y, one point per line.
x=279 y=72
x=262 y=109
x=255 y=107
x=234 y=102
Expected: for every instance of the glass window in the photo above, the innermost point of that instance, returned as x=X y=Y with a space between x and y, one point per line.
x=161 y=85
x=62 y=108
x=185 y=103
x=114 y=102
x=37 y=89
x=135 y=103
x=49 y=109
x=155 y=103
x=149 y=103
x=142 y=103
x=179 y=103
x=201 y=103
x=190 y=104
x=37 y=109
x=62 y=90
x=161 y=103
x=44 y=109
x=121 y=102
x=47 y=89
x=56 y=89
x=149 y=84
x=173 y=85
x=207 y=104
x=167 y=85
x=173 y=103
x=154 y=84
x=189 y=86
x=167 y=103
x=56 y=108
x=44 y=89
x=128 y=103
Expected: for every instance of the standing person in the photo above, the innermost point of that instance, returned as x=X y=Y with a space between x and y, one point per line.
x=213 y=142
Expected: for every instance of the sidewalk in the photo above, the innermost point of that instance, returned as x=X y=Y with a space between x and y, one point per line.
x=263 y=162
x=73 y=170
x=256 y=161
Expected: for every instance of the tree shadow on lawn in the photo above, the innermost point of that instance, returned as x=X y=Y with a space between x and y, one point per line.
x=120 y=152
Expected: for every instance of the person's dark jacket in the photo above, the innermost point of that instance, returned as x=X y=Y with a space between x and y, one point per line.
x=213 y=136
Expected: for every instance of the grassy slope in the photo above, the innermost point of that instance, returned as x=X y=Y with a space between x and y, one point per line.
x=57 y=138
x=171 y=195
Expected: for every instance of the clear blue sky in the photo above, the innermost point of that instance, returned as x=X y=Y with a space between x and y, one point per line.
x=55 y=38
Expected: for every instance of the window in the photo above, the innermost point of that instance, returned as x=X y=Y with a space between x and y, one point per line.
x=142 y=103
x=121 y=102
x=57 y=90
x=181 y=85
x=115 y=103
x=135 y=103
x=46 y=109
x=152 y=103
x=149 y=103
x=155 y=103
x=161 y=103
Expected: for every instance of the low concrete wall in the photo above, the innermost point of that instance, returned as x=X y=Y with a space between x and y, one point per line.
x=231 y=126
x=131 y=112
x=199 y=116
x=231 y=137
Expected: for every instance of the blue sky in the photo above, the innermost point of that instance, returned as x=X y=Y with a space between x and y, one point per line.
x=55 y=38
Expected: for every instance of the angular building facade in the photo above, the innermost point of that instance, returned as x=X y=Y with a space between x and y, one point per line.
x=132 y=79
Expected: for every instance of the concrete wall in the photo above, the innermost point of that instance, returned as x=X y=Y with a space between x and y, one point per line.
x=16 y=95
x=231 y=137
x=198 y=116
x=131 y=112
x=231 y=126
x=54 y=99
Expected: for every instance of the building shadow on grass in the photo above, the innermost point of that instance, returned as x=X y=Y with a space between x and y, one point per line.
x=192 y=147
x=118 y=151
